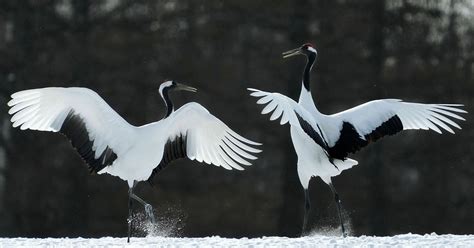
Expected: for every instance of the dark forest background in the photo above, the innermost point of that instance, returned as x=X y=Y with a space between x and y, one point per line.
x=416 y=50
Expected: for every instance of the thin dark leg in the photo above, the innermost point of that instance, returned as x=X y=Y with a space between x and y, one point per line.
x=129 y=220
x=339 y=208
x=307 y=207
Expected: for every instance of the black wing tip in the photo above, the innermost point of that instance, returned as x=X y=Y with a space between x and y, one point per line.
x=311 y=132
x=75 y=130
x=350 y=141
x=174 y=149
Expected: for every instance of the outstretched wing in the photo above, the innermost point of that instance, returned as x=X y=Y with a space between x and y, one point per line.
x=290 y=112
x=373 y=120
x=95 y=130
x=198 y=135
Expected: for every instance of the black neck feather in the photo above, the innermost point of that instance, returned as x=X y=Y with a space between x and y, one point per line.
x=307 y=70
x=169 y=104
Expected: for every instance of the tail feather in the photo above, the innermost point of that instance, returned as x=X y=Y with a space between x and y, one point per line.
x=345 y=164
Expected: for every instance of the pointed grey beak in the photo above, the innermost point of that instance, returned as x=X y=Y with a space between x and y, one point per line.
x=291 y=52
x=185 y=87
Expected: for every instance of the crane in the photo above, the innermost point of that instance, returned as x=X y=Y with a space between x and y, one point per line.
x=109 y=144
x=323 y=142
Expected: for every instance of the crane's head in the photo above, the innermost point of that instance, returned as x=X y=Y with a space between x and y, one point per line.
x=306 y=49
x=171 y=85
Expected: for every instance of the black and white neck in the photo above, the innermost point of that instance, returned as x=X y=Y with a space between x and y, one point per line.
x=306 y=100
x=311 y=54
x=164 y=92
x=165 y=89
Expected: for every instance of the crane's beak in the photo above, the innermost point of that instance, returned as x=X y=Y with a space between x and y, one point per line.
x=292 y=52
x=185 y=87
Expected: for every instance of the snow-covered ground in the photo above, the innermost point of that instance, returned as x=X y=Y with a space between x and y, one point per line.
x=405 y=240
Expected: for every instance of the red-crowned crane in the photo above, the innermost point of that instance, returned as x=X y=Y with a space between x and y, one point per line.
x=323 y=142
x=109 y=144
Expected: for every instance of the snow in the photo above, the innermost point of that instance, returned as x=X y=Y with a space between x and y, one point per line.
x=404 y=240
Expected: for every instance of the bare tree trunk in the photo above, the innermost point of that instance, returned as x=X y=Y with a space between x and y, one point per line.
x=77 y=206
x=376 y=169
x=81 y=25
x=4 y=137
x=292 y=209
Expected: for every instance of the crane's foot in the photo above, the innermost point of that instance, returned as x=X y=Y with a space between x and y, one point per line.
x=307 y=208
x=150 y=214
x=303 y=229
x=129 y=223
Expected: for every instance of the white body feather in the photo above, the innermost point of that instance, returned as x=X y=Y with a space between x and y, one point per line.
x=139 y=149
x=313 y=160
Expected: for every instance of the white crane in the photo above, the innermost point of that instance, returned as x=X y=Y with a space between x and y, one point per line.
x=323 y=142
x=109 y=144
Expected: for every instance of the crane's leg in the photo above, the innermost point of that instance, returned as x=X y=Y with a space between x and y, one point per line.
x=339 y=208
x=307 y=207
x=148 y=207
x=129 y=220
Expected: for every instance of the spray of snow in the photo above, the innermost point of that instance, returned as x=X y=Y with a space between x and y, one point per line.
x=331 y=226
x=169 y=223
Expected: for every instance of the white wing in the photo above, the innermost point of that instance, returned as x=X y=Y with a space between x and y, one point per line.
x=96 y=131
x=290 y=112
x=207 y=139
x=370 y=115
x=379 y=118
